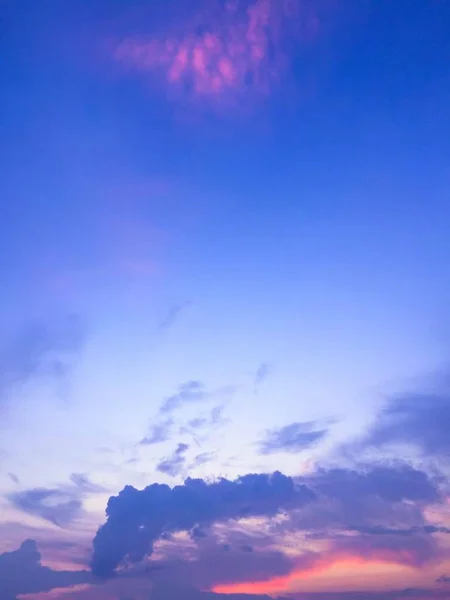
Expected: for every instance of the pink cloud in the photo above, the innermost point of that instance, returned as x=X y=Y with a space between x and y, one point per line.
x=138 y=589
x=228 y=52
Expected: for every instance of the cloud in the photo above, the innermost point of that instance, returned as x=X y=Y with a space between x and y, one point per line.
x=443 y=579
x=291 y=438
x=174 y=464
x=157 y=433
x=46 y=348
x=189 y=392
x=172 y=315
x=193 y=392
x=262 y=373
x=418 y=420
x=83 y=483
x=366 y=501
x=379 y=530
x=213 y=419
x=21 y=572
x=360 y=511
x=136 y=519
x=224 y=53
x=202 y=459
x=14 y=478
x=412 y=550
x=201 y=428
x=212 y=563
x=391 y=483
x=57 y=506
x=60 y=506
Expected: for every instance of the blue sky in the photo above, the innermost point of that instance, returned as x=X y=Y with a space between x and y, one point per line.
x=240 y=207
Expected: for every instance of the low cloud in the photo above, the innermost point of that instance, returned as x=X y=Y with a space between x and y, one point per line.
x=292 y=438
x=21 y=572
x=137 y=519
x=213 y=564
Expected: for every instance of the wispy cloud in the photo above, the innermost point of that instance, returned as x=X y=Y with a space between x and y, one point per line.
x=202 y=459
x=208 y=422
x=262 y=373
x=157 y=433
x=14 y=478
x=59 y=505
x=85 y=485
x=172 y=315
x=193 y=392
x=418 y=420
x=174 y=465
x=295 y=437
x=45 y=348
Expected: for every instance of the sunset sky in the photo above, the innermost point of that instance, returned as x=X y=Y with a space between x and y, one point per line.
x=224 y=292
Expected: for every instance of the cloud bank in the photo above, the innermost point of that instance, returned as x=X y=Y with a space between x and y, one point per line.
x=136 y=519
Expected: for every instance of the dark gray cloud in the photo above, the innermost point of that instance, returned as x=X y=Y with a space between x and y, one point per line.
x=136 y=519
x=157 y=433
x=46 y=348
x=291 y=438
x=21 y=572
x=193 y=392
x=174 y=465
x=418 y=420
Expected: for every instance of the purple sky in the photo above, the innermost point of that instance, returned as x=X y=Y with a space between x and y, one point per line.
x=225 y=288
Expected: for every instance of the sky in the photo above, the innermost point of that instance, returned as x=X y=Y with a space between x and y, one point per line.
x=224 y=323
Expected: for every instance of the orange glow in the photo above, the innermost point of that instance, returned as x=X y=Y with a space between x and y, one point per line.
x=282 y=584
